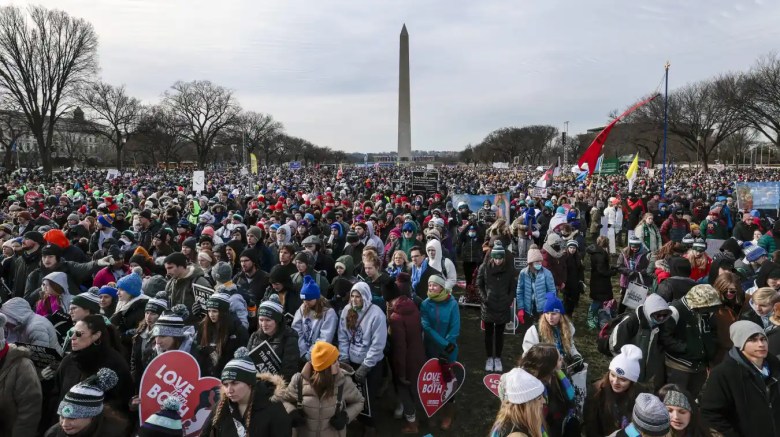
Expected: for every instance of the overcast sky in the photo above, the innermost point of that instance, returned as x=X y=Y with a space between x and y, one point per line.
x=329 y=69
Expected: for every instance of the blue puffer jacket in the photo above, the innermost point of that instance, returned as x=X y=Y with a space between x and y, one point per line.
x=441 y=326
x=530 y=289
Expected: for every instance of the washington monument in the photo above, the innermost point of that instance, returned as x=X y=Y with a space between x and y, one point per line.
x=404 y=123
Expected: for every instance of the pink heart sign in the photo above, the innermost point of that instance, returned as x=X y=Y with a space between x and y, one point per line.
x=436 y=384
x=176 y=373
x=491 y=382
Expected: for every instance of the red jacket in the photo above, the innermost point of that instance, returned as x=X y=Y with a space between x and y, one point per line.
x=408 y=353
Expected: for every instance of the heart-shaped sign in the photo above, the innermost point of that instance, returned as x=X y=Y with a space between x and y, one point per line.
x=491 y=382
x=436 y=384
x=176 y=373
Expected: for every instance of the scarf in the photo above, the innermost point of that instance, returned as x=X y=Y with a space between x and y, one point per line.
x=48 y=305
x=417 y=273
x=441 y=296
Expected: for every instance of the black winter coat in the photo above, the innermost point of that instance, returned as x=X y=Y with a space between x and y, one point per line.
x=497 y=287
x=285 y=344
x=126 y=322
x=773 y=335
x=675 y=288
x=237 y=336
x=600 y=274
x=738 y=401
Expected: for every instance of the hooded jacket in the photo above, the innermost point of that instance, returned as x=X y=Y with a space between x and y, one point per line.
x=441 y=326
x=365 y=345
x=22 y=266
x=552 y=259
x=374 y=240
x=442 y=265
x=532 y=288
x=497 y=285
x=679 y=283
x=311 y=330
x=20 y=394
x=30 y=328
x=180 y=289
x=689 y=339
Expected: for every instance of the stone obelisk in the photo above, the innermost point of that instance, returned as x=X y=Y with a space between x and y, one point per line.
x=404 y=109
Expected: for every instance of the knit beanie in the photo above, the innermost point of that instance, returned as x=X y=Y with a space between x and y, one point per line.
x=303 y=257
x=171 y=324
x=309 y=290
x=158 y=304
x=88 y=301
x=436 y=279
x=3 y=320
x=341 y=287
x=271 y=309
x=106 y=220
x=166 y=422
x=518 y=386
x=352 y=236
x=52 y=250
x=626 y=363
x=553 y=304
x=57 y=238
x=219 y=302
x=85 y=399
x=754 y=253
x=675 y=398
x=534 y=254
x=222 y=272
x=190 y=242
x=34 y=236
x=688 y=240
x=323 y=355
x=60 y=279
x=634 y=241
x=650 y=416
x=109 y=290
x=741 y=331
x=390 y=291
x=240 y=368
x=278 y=276
x=498 y=250
x=256 y=232
x=130 y=284
x=699 y=245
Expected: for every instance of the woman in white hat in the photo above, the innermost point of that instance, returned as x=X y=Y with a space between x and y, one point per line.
x=610 y=400
x=522 y=404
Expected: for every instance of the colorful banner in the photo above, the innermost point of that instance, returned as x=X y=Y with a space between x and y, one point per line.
x=758 y=195
x=500 y=200
x=253 y=159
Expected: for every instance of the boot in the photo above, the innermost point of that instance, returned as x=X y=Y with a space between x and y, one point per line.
x=592 y=319
x=446 y=417
x=410 y=427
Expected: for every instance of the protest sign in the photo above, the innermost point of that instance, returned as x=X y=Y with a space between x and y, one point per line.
x=500 y=201
x=201 y=293
x=265 y=359
x=539 y=192
x=491 y=382
x=363 y=387
x=635 y=295
x=435 y=388
x=42 y=357
x=176 y=373
x=198 y=181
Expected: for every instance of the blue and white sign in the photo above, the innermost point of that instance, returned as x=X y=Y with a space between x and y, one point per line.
x=295 y=165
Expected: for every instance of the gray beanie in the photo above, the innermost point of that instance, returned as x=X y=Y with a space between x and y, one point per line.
x=742 y=330
x=222 y=272
x=650 y=415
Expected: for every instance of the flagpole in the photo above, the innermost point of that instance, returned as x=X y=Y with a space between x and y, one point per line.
x=666 y=126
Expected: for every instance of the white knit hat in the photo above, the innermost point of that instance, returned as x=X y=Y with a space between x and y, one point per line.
x=518 y=386
x=626 y=363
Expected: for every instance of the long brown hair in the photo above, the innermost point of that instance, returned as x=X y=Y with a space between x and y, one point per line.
x=540 y=361
x=220 y=410
x=529 y=415
x=220 y=329
x=726 y=281
x=605 y=397
x=323 y=382
x=320 y=307
x=546 y=332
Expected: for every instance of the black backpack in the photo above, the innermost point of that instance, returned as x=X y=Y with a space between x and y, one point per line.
x=602 y=341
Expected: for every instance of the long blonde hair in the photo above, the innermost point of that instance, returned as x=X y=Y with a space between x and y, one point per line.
x=546 y=332
x=699 y=262
x=528 y=415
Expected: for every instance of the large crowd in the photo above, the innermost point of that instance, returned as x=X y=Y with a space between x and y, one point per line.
x=349 y=276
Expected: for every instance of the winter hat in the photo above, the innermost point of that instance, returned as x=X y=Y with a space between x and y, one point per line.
x=498 y=250
x=59 y=278
x=88 y=301
x=341 y=287
x=323 y=355
x=52 y=249
x=650 y=416
x=3 y=320
x=256 y=232
x=675 y=398
x=219 y=302
x=754 y=253
x=271 y=309
x=57 y=237
x=634 y=241
x=166 y=422
x=278 y=276
x=741 y=331
x=352 y=236
x=699 y=244
x=408 y=226
x=518 y=387
x=626 y=363
x=171 y=324
x=534 y=254
x=85 y=399
x=303 y=257
x=73 y=217
x=153 y=285
x=572 y=243
x=309 y=290
x=222 y=272
x=436 y=279
x=688 y=239
x=111 y=291
x=702 y=296
x=241 y=368
x=130 y=235
x=130 y=284
x=158 y=304
x=106 y=221
x=553 y=304
x=390 y=291
x=190 y=242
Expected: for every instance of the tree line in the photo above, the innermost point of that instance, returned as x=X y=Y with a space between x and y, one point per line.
x=48 y=68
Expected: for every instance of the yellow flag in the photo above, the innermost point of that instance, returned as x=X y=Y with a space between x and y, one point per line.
x=254 y=162
x=633 y=169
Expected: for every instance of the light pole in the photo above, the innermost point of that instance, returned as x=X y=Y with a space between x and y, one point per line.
x=565 y=140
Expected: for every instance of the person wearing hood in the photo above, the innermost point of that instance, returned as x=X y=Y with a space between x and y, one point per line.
x=27 y=261
x=24 y=326
x=742 y=394
x=497 y=283
x=322 y=261
x=223 y=283
x=282 y=338
x=553 y=260
x=533 y=284
x=322 y=399
x=557 y=219
x=129 y=310
x=614 y=217
x=441 y=329
x=283 y=236
x=314 y=319
x=179 y=287
x=441 y=264
x=336 y=240
x=641 y=328
x=354 y=247
x=689 y=339
x=374 y=240
x=305 y=267
x=249 y=403
x=55 y=295
x=20 y=389
x=408 y=237
x=632 y=264
x=362 y=337
x=51 y=261
x=680 y=282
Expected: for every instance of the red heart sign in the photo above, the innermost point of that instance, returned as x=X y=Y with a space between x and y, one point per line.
x=491 y=382
x=437 y=385
x=176 y=373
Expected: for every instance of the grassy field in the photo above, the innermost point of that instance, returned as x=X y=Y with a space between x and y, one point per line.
x=476 y=407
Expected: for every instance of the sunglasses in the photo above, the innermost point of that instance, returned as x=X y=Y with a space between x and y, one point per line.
x=79 y=334
x=660 y=317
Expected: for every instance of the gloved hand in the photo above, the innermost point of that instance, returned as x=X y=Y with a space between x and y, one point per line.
x=105 y=261
x=47 y=373
x=339 y=420
x=361 y=373
x=297 y=418
x=449 y=348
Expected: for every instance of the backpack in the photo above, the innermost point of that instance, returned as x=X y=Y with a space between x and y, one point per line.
x=602 y=341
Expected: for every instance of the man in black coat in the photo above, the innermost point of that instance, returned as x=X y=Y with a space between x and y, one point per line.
x=742 y=395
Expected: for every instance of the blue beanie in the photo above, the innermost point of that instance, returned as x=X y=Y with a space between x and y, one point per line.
x=111 y=291
x=130 y=284
x=310 y=290
x=106 y=221
x=560 y=210
x=407 y=227
x=553 y=304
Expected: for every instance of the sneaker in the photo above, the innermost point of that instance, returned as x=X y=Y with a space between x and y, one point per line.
x=399 y=411
x=497 y=365
x=489 y=365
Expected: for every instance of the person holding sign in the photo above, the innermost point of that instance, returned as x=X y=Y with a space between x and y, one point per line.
x=314 y=320
x=282 y=338
x=362 y=339
x=20 y=390
x=322 y=399
x=248 y=404
x=220 y=333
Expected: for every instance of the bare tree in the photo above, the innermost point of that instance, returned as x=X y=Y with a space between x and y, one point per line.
x=44 y=55
x=12 y=128
x=71 y=143
x=257 y=131
x=158 y=131
x=113 y=114
x=202 y=110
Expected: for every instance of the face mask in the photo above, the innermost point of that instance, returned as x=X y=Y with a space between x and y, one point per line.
x=538 y=266
x=472 y=234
